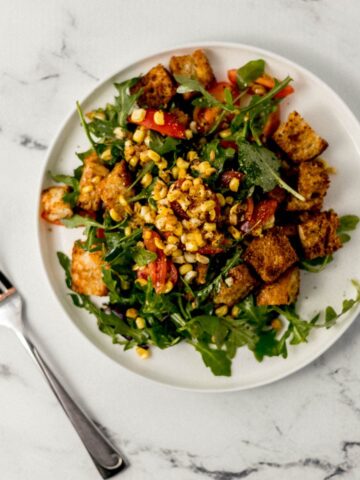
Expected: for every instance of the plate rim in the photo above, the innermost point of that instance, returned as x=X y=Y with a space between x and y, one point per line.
x=56 y=138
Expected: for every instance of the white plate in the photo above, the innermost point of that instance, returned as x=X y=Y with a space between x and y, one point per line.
x=181 y=366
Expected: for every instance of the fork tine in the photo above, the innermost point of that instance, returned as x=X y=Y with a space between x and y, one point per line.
x=5 y=282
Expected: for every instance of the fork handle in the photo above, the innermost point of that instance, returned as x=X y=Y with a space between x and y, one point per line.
x=106 y=458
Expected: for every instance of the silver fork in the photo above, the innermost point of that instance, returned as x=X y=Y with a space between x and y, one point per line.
x=105 y=456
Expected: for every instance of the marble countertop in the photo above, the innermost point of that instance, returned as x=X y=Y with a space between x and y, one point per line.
x=304 y=427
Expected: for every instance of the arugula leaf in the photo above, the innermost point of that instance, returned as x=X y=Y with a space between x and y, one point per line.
x=261 y=167
x=216 y=360
x=163 y=145
x=65 y=262
x=348 y=223
x=203 y=293
x=125 y=102
x=147 y=168
x=142 y=256
x=269 y=346
x=85 y=126
x=188 y=84
x=80 y=221
x=221 y=155
x=316 y=265
x=157 y=305
x=249 y=73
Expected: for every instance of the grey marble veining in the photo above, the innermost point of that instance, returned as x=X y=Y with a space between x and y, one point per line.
x=304 y=427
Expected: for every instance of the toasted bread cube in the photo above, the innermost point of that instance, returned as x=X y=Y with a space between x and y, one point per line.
x=86 y=274
x=241 y=285
x=94 y=171
x=283 y=291
x=114 y=189
x=313 y=183
x=158 y=88
x=270 y=255
x=53 y=207
x=318 y=234
x=195 y=65
x=201 y=270
x=298 y=139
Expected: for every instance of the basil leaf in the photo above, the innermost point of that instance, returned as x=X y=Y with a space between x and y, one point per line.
x=249 y=72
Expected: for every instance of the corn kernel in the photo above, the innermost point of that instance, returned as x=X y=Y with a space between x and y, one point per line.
x=131 y=313
x=96 y=180
x=193 y=126
x=168 y=286
x=172 y=239
x=158 y=243
x=225 y=133
x=192 y=155
x=106 y=155
x=122 y=200
x=222 y=311
x=119 y=133
x=229 y=200
x=202 y=259
x=127 y=231
x=197 y=181
x=178 y=230
x=234 y=184
x=155 y=157
x=143 y=353
x=187 y=267
x=191 y=246
x=180 y=162
x=221 y=199
x=159 y=118
x=139 y=135
x=146 y=180
x=144 y=157
x=178 y=258
x=209 y=227
x=235 y=311
x=140 y=322
x=188 y=134
x=134 y=161
x=229 y=281
x=87 y=189
x=175 y=172
x=189 y=257
x=189 y=276
x=138 y=115
x=212 y=155
x=162 y=164
x=169 y=249
x=114 y=215
x=212 y=215
x=235 y=233
x=233 y=218
x=276 y=324
x=182 y=173
x=141 y=282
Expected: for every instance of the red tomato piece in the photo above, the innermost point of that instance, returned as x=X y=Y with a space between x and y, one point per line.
x=171 y=128
x=262 y=213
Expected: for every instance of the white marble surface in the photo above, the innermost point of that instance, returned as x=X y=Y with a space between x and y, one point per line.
x=304 y=427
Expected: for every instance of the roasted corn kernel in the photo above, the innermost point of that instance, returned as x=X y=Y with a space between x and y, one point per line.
x=138 y=115
x=143 y=353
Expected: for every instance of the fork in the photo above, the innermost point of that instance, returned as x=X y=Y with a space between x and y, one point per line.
x=105 y=456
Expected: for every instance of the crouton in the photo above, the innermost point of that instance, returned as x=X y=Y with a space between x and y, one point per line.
x=241 y=283
x=94 y=171
x=86 y=274
x=114 y=190
x=201 y=270
x=298 y=140
x=53 y=207
x=158 y=88
x=283 y=291
x=270 y=255
x=318 y=234
x=195 y=65
x=313 y=182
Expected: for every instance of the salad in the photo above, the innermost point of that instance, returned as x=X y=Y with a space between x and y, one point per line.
x=199 y=205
